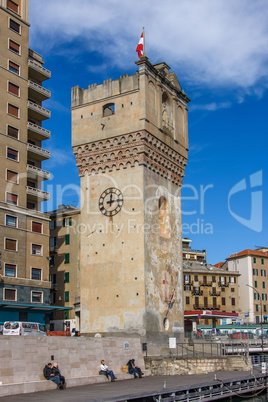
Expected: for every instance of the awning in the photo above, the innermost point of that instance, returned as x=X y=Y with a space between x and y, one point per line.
x=209 y=314
x=39 y=307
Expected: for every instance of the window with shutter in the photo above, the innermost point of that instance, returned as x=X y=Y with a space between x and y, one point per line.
x=12 y=154
x=67 y=239
x=37 y=227
x=11 y=5
x=11 y=221
x=15 y=47
x=14 y=68
x=36 y=249
x=13 y=89
x=14 y=26
x=67 y=258
x=11 y=244
x=36 y=274
x=13 y=132
x=10 y=270
x=13 y=110
x=12 y=198
x=37 y=297
x=12 y=176
x=66 y=296
x=10 y=294
x=66 y=277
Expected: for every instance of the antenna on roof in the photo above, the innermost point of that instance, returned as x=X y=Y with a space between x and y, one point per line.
x=258 y=247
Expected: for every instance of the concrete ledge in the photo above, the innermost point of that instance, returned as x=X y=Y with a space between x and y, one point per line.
x=44 y=385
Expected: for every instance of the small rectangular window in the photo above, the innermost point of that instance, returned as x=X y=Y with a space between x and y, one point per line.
x=53 y=224
x=37 y=297
x=13 y=177
x=233 y=301
x=15 y=47
x=13 y=132
x=66 y=277
x=67 y=258
x=10 y=294
x=67 y=222
x=11 y=5
x=10 y=270
x=187 y=300
x=12 y=198
x=37 y=227
x=11 y=221
x=66 y=296
x=53 y=241
x=223 y=301
x=36 y=274
x=37 y=249
x=263 y=272
x=263 y=285
x=13 y=89
x=67 y=239
x=14 y=68
x=14 y=26
x=13 y=110
x=31 y=205
x=262 y=261
x=257 y=307
x=11 y=244
x=51 y=261
x=66 y=314
x=12 y=154
x=255 y=284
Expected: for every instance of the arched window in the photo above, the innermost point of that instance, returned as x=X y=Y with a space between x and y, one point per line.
x=164 y=230
x=108 y=109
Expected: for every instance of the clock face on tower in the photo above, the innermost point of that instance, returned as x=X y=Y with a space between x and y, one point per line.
x=111 y=201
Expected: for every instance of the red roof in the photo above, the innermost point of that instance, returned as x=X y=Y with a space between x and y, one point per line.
x=219 y=264
x=248 y=252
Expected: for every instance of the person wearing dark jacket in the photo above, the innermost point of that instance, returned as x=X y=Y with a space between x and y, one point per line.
x=137 y=368
x=131 y=369
x=49 y=375
x=56 y=372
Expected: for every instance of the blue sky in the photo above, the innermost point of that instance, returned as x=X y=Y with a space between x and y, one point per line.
x=219 y=52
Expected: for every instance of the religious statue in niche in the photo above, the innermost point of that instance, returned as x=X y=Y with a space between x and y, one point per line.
x=167 y=123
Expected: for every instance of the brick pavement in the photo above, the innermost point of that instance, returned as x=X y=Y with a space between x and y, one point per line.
x=122 y=390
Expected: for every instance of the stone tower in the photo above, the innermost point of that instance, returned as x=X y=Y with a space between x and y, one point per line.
x=130 y=139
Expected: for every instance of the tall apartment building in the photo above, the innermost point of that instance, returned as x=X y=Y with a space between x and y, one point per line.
x=24 y=230
x=253 y=283
x=65 y=267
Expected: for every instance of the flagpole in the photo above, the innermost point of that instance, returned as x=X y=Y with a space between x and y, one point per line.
x=143 y=32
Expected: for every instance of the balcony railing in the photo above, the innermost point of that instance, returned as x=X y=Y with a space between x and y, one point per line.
x=197 y=292
x=37 y=193
x=217 y=293
x=39 y=153
x=38 y=132
x=38 y=71
x=34 y=171
x=206 y=307
x=223 y=284
x=38 y=92
x=54 y=286
x=202 y=283
x=38 y=112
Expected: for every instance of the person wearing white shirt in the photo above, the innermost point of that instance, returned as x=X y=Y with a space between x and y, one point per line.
x=104 y=368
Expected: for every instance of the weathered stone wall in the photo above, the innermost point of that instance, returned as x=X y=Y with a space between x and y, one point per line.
x=22 y=358
x=165 y=366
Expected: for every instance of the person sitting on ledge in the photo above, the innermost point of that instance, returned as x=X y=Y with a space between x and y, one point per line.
x=56 y=372
x=137 y=368
x=48 y=374
x=132 y=370
x=110 y=373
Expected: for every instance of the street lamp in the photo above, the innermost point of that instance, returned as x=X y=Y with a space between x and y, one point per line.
x=255 y=290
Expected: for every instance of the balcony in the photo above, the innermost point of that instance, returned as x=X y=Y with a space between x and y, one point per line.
x=37 y=132
x=77 y=304
x=37 y=112
x=37 y=153
x=34 y=172
x=207 y=307
x=36 y=194
x=53 y=249
x=205 y=283
x=197 y=292
x=37 y=71
x=217 y=293
x=223 y=284
x=37 y=92
x=54 y=286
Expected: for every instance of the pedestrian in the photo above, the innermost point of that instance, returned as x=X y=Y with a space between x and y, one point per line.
x=132 y=370
x=104 y=368
x=56 y=372
x=137 y=368
x=50 y=376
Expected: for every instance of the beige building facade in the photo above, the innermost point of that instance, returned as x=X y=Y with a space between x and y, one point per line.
x=253 y=283
x=24 y=230
x=130 y=139
x=65 y=267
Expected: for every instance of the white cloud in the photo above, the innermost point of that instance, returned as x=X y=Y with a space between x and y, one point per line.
x=217 y=43
x=211 y=106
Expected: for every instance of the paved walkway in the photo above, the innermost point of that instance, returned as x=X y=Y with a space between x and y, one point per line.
x=122 y=390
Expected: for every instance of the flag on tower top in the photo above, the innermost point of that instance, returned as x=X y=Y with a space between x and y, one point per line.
x=140 y=46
